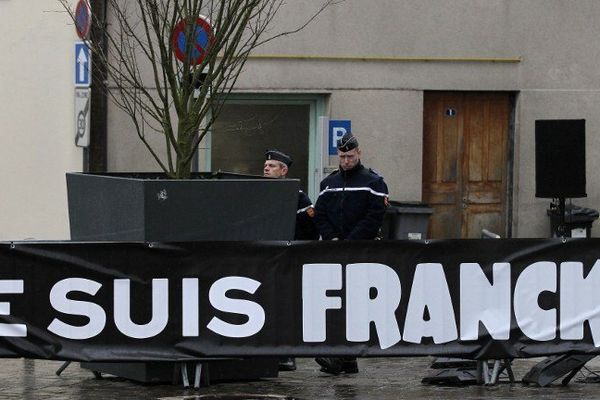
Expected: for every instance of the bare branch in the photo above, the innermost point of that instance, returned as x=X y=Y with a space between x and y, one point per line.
x=179 y=98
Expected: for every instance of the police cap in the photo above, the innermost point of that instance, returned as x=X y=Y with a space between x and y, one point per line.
x=347 y=142
x=278 y=156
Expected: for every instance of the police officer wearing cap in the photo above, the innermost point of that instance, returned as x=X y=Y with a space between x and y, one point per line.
x=276 y=166
x=351 y=206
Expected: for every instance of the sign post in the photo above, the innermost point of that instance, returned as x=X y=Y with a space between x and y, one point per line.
x=83 y=74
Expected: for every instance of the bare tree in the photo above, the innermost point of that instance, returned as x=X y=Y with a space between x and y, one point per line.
x=191 y=73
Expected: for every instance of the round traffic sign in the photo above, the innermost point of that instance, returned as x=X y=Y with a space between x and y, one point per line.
x=83 y=19
x=203 y=38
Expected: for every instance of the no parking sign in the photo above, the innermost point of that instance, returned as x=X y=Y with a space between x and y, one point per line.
x=203 y=38
x=83 y=19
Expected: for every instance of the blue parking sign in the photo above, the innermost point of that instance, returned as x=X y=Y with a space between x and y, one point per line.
x=337 y=129
x=83 y=65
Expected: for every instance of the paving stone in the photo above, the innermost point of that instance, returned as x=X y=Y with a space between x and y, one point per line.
x=378 y=379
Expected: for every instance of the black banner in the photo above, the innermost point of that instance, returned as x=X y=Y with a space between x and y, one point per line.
x=165 y=302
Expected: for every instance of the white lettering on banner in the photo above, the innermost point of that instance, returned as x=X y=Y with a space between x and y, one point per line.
x=535 y=322
x=160 y=309
x=361 y=309
x=430 y=290
x=317 y=279
x=482 y=300
x=60 y=302
x=219 y=300
x=189 y=307
x=579 y=301
x=372 y=297
x=11 y=286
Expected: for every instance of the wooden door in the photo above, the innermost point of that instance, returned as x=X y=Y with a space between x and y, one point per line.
x=465 y=163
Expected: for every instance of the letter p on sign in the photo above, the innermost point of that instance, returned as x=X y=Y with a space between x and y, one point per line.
x=337 y=129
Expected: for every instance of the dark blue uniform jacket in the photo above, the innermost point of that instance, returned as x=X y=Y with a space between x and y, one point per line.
x=305 y=224
x=351 y=204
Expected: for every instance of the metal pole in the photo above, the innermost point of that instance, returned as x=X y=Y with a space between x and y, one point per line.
x=562 y=229
x=95 y=157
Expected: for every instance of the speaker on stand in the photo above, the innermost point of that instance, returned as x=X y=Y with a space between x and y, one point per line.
x=560 y=163
x=559 y=174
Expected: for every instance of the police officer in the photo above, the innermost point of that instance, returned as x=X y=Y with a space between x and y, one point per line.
x=351 y=206
x=277 y=166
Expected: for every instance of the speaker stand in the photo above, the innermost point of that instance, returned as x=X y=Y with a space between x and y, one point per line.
x=554 y=367
x=561 y=229
x=562 y=209
x=457 y=371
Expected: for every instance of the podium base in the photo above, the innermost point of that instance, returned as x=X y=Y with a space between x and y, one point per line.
x=169 y=372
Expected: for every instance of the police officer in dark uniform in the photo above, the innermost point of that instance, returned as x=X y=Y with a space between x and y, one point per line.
x=351 y=206
x=276 y=166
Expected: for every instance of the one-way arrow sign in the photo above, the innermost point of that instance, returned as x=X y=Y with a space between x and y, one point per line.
x=83 y=65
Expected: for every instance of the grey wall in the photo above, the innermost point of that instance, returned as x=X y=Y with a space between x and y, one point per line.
x=557 y=77
x=385 y=122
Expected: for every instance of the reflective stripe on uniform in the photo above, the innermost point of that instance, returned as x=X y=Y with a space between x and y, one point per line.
x=304 y=209
x=354 y=189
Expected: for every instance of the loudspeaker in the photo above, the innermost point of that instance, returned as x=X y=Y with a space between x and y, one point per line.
x=560 y=158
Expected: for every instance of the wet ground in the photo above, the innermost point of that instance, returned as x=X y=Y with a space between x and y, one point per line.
x=379 y=378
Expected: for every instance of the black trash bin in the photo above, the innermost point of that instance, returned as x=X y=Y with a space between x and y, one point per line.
x=406 y=220
x=578 y=221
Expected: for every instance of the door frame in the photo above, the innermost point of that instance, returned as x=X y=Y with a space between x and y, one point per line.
x=513 y=99
x=317 y=104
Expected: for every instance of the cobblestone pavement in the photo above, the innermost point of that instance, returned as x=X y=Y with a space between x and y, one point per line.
x=379 y=378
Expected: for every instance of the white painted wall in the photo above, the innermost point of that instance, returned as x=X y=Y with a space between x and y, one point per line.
x=36 y=119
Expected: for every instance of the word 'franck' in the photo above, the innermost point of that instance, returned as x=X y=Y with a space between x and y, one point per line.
x=480 y=301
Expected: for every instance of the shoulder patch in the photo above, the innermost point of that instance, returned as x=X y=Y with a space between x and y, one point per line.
x=374 y=172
